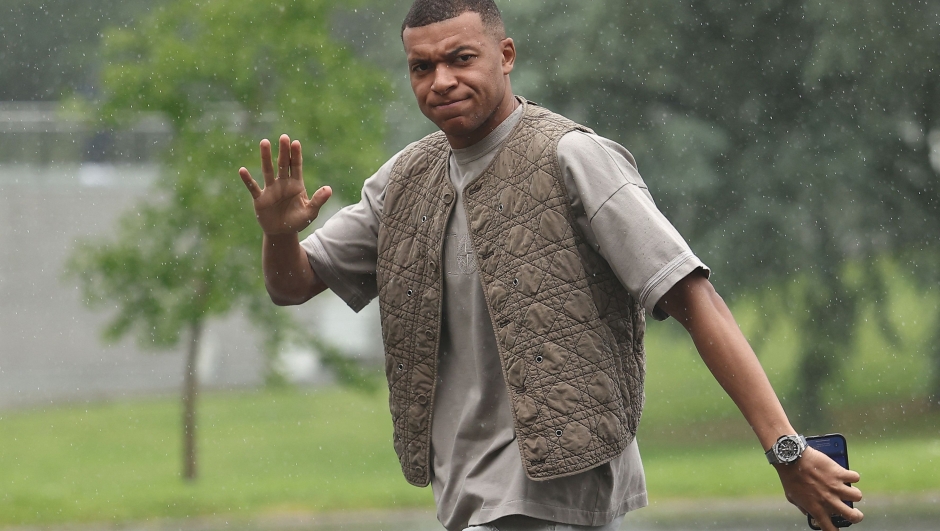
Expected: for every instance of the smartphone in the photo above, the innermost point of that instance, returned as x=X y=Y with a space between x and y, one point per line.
x=834 y=446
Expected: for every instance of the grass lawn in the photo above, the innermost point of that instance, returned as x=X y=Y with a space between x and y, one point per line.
x=330 y=449
x=277 y=452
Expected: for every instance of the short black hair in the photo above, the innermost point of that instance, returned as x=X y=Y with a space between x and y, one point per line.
x=425 y=12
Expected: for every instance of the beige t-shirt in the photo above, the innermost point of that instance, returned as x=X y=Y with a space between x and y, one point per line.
x=478 y=474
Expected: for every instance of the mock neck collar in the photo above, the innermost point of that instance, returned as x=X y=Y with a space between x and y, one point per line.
x=492 y=140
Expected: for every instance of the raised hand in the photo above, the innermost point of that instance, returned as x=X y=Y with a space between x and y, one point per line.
x=817 y=485
x=283 y=207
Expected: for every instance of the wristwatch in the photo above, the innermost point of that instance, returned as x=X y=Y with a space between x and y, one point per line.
x=786 y=450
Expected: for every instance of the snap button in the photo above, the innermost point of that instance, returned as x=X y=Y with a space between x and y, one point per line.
x=410 y=293
x=433 y=265
x=401 y=366
x=558 y=433
x=538 y=359
x=515 y=282
x=448 y=197
x=423 y=219
x=429 y=334
x=499 y=208
x=422 y=399
x=419 y=470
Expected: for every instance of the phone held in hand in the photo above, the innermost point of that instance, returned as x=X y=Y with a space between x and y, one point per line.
x=834 y=446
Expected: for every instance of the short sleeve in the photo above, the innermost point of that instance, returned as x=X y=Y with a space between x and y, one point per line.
x=344 y=251
x=617 y=214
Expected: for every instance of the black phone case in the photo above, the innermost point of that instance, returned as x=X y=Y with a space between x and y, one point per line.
x=833 y=445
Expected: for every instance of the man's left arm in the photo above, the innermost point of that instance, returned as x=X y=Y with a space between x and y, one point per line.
x=814 y=482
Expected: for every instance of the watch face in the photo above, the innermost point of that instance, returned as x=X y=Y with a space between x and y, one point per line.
x=787 y=450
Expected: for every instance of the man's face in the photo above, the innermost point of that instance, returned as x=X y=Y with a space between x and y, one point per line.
x=460 y=76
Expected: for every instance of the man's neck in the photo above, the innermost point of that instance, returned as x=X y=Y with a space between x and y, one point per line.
x=498 y=116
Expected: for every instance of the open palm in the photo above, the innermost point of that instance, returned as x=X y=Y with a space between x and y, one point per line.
x=283 y=207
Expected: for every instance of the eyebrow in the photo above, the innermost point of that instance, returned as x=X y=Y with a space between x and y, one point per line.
x=458 y=50
x=450 y=55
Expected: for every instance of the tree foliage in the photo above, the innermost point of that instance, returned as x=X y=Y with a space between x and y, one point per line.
x=223 y=74
x=786 y=139
x=48 y=47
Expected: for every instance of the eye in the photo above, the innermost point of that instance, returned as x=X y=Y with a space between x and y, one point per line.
x=419 y=67
x=465 y=57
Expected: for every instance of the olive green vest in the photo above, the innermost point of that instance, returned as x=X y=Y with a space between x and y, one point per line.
x=570 y=337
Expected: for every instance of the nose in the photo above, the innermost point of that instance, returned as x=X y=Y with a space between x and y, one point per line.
x=444 y=79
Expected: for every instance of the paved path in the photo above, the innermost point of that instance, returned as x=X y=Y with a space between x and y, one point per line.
x=919 y=512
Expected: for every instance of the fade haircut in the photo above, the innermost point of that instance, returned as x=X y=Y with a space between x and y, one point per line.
x=426 y=12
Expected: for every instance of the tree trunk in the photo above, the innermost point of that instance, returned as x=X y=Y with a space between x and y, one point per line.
x=190 y=392
x=829 y=318
x=814 y=371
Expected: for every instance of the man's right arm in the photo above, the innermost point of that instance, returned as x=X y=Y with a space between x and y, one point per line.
x=283 y=210
x=287 y=273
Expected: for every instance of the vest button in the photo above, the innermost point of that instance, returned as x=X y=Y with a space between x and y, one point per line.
x=429 y=334
x=419 y=470
x=558 y=433
x=422 y=399
x=448 y=197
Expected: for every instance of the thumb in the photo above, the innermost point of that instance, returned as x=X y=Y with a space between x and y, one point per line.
x=317 y=200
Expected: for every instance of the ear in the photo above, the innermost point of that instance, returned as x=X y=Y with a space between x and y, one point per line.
x=508 y=50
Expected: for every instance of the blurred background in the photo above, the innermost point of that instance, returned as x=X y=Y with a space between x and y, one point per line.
x=147 y=382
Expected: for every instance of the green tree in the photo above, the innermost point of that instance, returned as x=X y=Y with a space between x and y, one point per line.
x=223 y=74
x=786 y=139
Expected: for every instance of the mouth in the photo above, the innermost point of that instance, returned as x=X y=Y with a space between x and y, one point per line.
x=447 y=105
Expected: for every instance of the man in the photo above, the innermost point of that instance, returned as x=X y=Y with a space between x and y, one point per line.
x=513 y=255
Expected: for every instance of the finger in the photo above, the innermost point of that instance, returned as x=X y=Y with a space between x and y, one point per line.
x=317 y=200
x=283 y=157
x=296 y=162
x=851 y=494
x=850 y=476
x=250 y=183
x=823 y=520
x=853 y=515
x=267 y=170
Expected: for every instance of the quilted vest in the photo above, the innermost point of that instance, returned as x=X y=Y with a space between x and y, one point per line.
x=570 y=337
